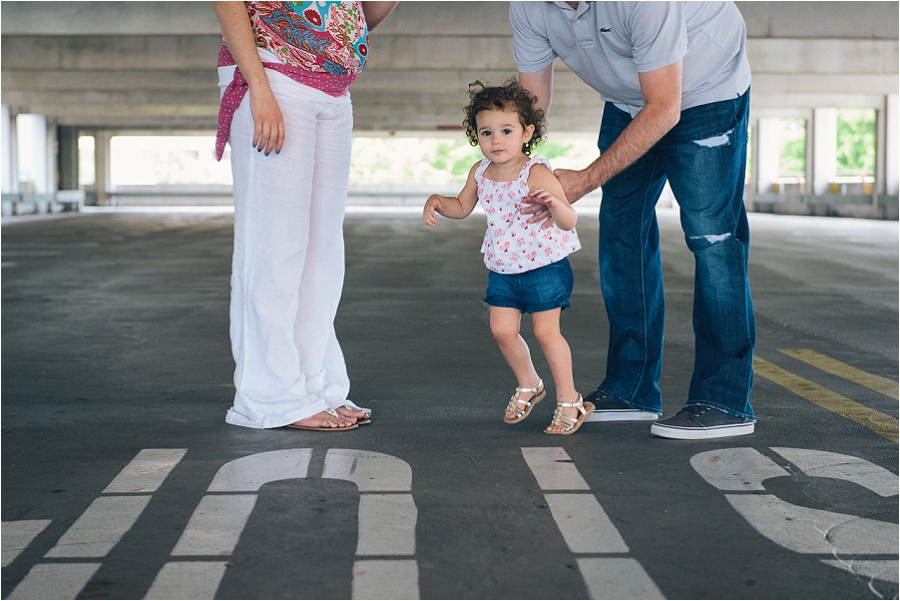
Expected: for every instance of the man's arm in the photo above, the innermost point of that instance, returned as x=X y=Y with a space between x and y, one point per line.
x=661 y=90
x=376 y=12
x=539 y=84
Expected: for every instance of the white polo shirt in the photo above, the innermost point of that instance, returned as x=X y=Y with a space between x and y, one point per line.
x=607 y=43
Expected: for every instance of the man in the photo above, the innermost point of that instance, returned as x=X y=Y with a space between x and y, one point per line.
x=676 y=82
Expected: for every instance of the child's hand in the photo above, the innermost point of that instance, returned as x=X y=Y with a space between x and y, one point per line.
x=542 y=197
x=433 y=206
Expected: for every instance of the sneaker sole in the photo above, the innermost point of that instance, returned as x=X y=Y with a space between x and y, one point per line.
x=700 y=433
x=621 y=415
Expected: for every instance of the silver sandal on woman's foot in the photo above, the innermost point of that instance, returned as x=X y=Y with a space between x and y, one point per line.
x=538 y=394
x=584 y=411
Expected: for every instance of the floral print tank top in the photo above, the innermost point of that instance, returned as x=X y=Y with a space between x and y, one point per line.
x=320 y=37
x=511 y=244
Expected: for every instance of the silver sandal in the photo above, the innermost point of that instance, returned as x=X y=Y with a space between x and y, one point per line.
x=584 y=410
x=538 y=393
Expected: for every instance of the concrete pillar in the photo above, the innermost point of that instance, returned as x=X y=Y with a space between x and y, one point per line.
x=822 y=161
x=768 y=146
x=101 y=167
x=51 y=159
x=67 y=157
x=891 y=154
x=32 y=142
x=9 y=181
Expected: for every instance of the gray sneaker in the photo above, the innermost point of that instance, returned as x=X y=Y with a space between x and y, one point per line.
x=608 y=409
x=697 y=423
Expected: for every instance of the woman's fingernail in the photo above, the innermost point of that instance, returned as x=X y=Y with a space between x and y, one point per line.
x=267 y=154
x=277 y=152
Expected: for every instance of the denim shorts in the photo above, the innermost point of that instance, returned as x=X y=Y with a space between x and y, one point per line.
x=541 y=289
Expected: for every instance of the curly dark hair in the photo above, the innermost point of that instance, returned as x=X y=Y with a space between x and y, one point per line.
x=509 y=96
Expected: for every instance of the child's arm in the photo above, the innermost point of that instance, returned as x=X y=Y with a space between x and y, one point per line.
x=545 y=189
x=454 y=207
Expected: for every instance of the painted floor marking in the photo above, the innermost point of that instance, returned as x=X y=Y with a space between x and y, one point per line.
x=617 y=578
x=885 y=386
x=587 y=529
x=803 y=529
x=146 y=472
x=553 y=469
x=216 y=525
x=385 y=579
x=387 y=522
x=188 y=580
x=100 y=527
x=844 y=467
x=18 y=535
x=55 y=581
x=584 y=525
x=878 y=422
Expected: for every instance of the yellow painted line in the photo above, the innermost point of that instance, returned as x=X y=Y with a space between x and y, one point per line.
x=878 y=422
x=885 y=386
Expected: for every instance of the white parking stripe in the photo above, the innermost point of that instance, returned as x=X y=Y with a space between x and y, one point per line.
x=55 y=581
x=187 y=580
x=738 y=469
x=553 y=469
x=387 y=525
x=586 y=528
x=879 y=569
x=216 y=525
x=146 y=472
x=100 y=527
x=18 y=535
x=385 y=579
x=806 y=530
x=248 y=474
x=584 y=525
x=843 y=467
x=370 y=471
x=617 y=578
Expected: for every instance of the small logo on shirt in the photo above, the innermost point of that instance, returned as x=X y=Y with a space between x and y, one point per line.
x=605 y=30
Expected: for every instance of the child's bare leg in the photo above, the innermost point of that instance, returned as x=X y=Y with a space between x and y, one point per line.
x=559 y=357
x=505 y=322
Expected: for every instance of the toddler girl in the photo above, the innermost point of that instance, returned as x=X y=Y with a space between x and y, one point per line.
x=528 y=268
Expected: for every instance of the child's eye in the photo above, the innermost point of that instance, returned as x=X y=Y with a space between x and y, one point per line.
x=485 y=133
x=507 y=131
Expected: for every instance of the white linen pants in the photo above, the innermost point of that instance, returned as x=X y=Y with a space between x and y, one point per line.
x=288 y=265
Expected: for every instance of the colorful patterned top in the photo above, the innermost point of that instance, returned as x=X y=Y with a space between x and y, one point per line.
x=323 y=45
x=319 y=37
x=511 y=244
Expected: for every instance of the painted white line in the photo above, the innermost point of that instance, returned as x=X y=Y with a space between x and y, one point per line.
x=385 y=579
x=843 y=467
x=738 y=469
x=216 y=525
x=370 y=471
x=18 y=535
x=617 y=578
x=54 y=581
x=878 y=569
x=248 y=474
x=187 y=580
x=584 y=525
x=100 y=527
x=553 y=469
x=146 y=472
x=387 y=525
x=806 y=530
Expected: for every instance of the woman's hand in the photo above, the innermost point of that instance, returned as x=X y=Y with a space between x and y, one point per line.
x=268 y=123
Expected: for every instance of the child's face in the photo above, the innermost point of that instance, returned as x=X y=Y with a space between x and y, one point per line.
x=501 y=135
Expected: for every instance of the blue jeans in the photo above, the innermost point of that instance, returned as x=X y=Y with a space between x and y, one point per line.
x=704 y=159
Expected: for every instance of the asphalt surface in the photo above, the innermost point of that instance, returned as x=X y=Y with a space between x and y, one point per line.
x=115 y=344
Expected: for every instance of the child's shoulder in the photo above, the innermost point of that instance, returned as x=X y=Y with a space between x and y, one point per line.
x=538 y=167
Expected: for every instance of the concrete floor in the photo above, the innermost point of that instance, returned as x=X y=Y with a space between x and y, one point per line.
x=115 y=344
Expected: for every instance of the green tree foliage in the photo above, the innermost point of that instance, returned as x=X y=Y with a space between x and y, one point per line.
x=856 y=141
